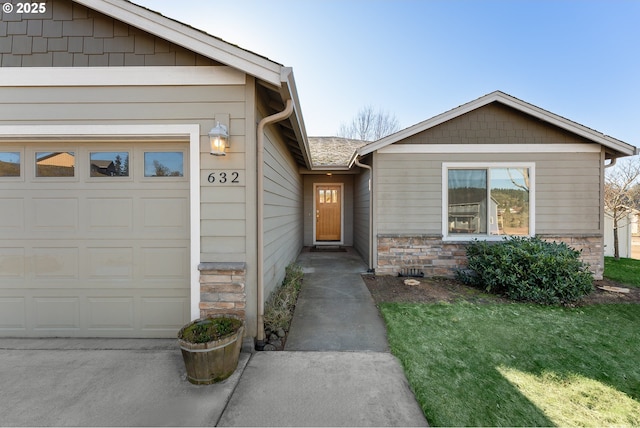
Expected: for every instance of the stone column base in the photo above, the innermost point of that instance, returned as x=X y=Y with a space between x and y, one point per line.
x=222 y=289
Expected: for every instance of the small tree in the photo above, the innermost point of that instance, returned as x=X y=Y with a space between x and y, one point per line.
x=370 y=125
x=619 y=190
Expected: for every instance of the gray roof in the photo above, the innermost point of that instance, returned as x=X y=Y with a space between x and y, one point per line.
x=333 y=151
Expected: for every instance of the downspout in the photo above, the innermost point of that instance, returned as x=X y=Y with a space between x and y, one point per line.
x=284 y=114
x=365 y=166
x=610 y=164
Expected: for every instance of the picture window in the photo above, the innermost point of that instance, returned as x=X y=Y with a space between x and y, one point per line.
x=489 y=201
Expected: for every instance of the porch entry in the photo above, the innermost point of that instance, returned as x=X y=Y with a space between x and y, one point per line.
x=328 y=204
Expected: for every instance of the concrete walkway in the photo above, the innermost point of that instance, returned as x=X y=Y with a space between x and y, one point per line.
x=336 y=371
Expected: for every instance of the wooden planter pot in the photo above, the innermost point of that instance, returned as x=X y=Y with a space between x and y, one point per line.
x=211 y=362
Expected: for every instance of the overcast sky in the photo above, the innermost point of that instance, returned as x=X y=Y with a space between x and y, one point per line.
x=416 y=59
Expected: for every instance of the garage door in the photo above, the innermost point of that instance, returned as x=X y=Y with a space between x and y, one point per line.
x=94 y=239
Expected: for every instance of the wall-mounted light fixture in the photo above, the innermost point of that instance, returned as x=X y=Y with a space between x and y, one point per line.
x=219 y=139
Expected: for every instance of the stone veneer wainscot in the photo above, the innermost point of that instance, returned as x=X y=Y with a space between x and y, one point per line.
x=435 y=257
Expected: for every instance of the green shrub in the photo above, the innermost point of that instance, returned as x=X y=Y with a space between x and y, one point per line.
x=528 y=269
x=209 y=329
x=279 y=307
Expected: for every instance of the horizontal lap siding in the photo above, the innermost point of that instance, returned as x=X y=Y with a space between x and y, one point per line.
x=409 y=190
x=362 y=199
x=283 y=202
x=223 y=230
x=408 y=193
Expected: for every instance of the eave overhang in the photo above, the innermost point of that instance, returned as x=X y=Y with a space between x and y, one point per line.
x=188 y=37
x=273 y=76
x=613 y=146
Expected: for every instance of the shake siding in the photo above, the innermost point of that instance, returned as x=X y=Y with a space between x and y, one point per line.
x=283 y=204
x=361 y=201
x=493 y=124
x=409 y=191
x=71 y=35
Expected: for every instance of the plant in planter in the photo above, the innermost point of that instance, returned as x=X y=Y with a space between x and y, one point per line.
x=211 y=348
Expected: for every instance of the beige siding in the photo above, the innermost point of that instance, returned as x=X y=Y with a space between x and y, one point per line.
x=309 y=216
x=223 y=234
x=409 y=191
x=283 y=203
x=70 y=35
x=361 y=202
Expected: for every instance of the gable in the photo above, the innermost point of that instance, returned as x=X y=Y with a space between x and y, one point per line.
x=613 y=147
x=494 y=123
x=72 y=35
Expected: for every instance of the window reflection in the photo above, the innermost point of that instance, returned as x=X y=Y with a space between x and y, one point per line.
x=55 y=164
x=467 y=201
x=491 y=201
x=109 y=164
x=163 y=164
x=9 y=164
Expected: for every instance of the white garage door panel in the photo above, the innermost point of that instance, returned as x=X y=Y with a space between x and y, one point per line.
x=12 y=263
x=110 y=263
x=55 y=215
x=94 y=256
x=109 y=214
x=56 y=313
x=111 y=313
x=55 y=263
x=13 y=314
x=11 y=215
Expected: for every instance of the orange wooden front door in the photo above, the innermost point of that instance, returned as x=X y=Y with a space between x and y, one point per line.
x=328 y=213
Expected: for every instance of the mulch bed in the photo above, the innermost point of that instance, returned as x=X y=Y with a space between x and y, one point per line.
x=433 y=290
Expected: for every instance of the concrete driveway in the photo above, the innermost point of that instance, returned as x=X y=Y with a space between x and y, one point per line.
x=336 y=371
x=110 y=382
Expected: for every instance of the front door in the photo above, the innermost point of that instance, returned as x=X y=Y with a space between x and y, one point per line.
x=328 y=212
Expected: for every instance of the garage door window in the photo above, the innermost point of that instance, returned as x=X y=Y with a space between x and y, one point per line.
x=55 y=164
x=9 y=164
x=163 y=164
x=109 y=164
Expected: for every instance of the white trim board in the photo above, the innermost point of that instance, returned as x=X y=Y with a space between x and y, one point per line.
x=120 y=76
x=491 y=148
x=190 y=131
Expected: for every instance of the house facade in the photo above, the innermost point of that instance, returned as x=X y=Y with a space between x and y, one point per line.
x=117 y=221
x=491 y=168
x=171 y=232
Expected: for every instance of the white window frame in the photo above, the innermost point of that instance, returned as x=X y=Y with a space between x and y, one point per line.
x=446 y=166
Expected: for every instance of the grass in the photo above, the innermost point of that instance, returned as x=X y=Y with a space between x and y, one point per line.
x=625 y=271
x=519 y=364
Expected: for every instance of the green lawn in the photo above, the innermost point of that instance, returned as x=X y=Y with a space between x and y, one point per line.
x=625 y=271
x=520 y=364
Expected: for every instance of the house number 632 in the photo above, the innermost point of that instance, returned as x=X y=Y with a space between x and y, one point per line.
x=224 y=177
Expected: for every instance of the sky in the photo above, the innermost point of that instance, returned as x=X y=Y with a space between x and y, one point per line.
x=415 y=59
